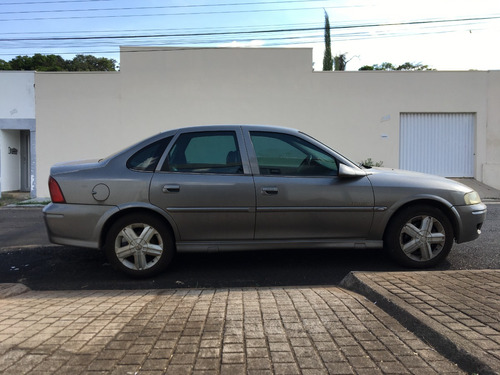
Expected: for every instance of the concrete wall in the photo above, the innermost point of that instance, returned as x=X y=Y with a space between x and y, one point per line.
x=17 y=112
x=88 y=115
x=491 y=167
x=364 y=108
x=10 y=163
x=78 y=116
x=17 y=95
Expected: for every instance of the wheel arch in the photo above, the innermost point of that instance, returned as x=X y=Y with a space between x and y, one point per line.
x=445 y=207
x=137 y=209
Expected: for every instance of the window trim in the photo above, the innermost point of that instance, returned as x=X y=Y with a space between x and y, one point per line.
x=278 y=136
x=164 y=143
x=165 y=164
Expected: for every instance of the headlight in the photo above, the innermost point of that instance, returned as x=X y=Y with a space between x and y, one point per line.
x=472 y=198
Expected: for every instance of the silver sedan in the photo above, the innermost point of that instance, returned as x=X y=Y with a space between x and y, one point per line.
x=220 y=188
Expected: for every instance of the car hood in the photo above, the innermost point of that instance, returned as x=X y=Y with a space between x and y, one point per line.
x=395 y=184
x=417 y=179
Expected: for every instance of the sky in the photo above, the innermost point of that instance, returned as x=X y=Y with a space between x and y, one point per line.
x=443 y=34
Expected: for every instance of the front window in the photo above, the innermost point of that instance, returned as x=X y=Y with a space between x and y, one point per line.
x=288 y=155
x=205 y=152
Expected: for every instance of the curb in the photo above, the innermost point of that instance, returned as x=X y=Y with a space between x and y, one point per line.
x=11 y=290
x=445 y=341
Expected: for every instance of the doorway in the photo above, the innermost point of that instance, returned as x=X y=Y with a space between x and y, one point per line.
x=25 y=160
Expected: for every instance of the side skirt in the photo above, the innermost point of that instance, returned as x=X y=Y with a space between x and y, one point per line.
x=215 y=246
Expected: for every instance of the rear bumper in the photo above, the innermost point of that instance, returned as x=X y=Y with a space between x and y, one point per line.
x=471 y=219
x=76 y=225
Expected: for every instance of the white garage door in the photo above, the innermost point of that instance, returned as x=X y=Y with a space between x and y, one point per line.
x=441 y=144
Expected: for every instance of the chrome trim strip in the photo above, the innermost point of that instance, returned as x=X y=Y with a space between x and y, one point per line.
x=208 y=209
x=316 y=209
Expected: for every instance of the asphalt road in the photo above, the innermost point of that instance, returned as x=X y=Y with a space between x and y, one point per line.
x=26 y=256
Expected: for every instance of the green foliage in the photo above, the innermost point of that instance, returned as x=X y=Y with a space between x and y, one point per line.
x=407 y=66
x=4 y=65
x=340 y=62
x=92 y=63
x=55 y=63
x=327 y=59
x=368 y=163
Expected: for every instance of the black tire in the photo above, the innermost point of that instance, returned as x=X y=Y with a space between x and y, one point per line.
x=419 y=236
x=140 y=245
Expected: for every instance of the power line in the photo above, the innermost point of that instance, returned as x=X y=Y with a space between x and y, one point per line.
x=227 y=33
x=167 y=6
x=162 y=14
x=271 y=2
x=87 y=32
x=294 y=34
x=53 y=2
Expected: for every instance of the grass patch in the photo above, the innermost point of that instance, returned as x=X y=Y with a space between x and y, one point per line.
x=30 y=202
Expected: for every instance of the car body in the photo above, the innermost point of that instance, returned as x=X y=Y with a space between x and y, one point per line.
x=241 y=187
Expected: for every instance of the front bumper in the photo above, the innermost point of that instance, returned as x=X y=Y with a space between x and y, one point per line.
x=470 y=221
x=76 y=224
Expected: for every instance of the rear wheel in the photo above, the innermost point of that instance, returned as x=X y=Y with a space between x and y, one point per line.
x=419 y=237
x=140 y=245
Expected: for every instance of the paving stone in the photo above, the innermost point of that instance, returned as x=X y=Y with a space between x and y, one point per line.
x=457 y=306
x=313 y=330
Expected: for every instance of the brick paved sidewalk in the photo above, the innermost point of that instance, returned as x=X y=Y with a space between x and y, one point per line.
x=458 y=311
x=321 y=330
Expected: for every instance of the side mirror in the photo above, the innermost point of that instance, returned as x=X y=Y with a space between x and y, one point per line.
x=350 y=172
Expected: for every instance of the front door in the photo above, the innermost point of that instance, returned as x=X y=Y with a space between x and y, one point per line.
x=206 y=187
x=300 y=196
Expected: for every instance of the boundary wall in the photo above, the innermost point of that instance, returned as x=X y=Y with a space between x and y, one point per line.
x=91 y=115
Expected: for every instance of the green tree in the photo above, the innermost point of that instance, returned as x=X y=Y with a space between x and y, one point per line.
x=4 y=65
x=327 y=59
x=48 y=63
x=340 y=62
x=407 y=66
x=22 y=63
x=54 y=63
x=92 y=63
x=412 y=66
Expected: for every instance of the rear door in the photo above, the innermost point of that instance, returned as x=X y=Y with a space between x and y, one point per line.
x=205 y=185
x=300 y=195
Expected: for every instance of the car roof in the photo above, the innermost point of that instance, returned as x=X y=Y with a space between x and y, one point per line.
x=234 y=126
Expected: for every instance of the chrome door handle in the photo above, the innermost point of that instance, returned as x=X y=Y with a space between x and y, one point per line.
x=171 y=188
x=269 y=190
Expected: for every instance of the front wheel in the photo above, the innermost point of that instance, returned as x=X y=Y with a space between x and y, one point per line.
x=419 y=237
x=140 y=245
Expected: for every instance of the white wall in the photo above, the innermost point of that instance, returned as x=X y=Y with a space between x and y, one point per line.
x=78 y=117
x=85 y=115
x=17 y=95
x=363 y=108
x=10 y=163
x=17 y=112
x=491 y=168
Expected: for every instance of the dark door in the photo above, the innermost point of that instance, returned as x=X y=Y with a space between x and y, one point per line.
x=25 y=161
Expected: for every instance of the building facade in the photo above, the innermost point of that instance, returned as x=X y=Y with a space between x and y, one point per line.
x=445 y=123
x=17 y=132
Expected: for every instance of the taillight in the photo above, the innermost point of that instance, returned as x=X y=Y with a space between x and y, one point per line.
x=55 y=191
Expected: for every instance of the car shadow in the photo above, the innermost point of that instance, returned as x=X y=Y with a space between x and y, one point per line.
x=71 y=268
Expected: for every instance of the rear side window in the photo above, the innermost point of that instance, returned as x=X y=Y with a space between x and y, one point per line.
x=147 y=158
x=205 y=152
